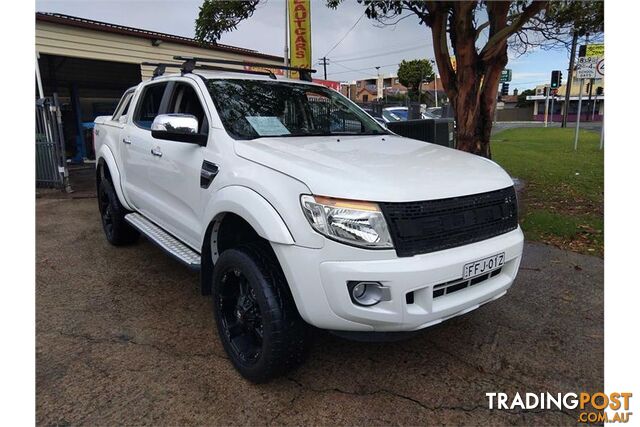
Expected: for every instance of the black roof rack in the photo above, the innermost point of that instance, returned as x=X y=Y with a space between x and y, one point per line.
x=162 y=66
x=190 y=63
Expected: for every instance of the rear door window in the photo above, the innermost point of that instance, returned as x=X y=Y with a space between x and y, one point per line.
x=123 y=106
x=149 y=105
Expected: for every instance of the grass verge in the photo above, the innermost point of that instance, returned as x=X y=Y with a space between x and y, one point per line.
x=563 y=201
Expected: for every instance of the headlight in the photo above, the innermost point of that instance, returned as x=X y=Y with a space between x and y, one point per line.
x=350 y=221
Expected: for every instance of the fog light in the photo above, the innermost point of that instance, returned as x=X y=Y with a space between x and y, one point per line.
x=368 y=293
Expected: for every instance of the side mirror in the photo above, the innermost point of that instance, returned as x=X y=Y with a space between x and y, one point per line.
x=177 y=127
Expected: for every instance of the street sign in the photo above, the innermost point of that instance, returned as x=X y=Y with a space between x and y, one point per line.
x=600 y=69
x=595 y=50
x=586 y=68
x=505 y=76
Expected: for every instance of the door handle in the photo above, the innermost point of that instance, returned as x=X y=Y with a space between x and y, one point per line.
x=156 y=151
x=126 y=141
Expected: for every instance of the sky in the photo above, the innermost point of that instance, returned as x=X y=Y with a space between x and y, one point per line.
x=354 y=44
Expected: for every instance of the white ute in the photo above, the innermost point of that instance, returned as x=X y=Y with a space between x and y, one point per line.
x=299 y=209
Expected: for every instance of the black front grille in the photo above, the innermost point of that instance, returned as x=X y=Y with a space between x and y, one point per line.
x=434 y=225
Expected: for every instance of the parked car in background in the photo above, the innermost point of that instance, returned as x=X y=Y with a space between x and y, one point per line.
x=395 y=114
x=433 y=113
x=399 y=114
x=378 y=118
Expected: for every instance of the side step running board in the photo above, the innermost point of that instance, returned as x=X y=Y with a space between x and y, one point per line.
x=166 y=241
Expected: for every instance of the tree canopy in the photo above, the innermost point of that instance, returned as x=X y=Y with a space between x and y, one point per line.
x=554 y=29
x=218 y=17
x=412 y=73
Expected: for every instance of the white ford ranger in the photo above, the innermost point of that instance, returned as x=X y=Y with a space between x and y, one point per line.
x=299 y=209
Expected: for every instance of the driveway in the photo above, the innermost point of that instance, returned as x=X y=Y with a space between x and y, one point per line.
x=124 y=337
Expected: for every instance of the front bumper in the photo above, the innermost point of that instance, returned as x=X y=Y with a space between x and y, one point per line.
x=318 y=281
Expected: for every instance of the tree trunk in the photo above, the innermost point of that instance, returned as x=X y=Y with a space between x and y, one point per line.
x=468 y=116
x=473 y=130
x=488 y=101
x=472 y=87
x=476 y=85
x=475 y=107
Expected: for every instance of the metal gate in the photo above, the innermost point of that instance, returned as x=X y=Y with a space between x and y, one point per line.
x=51 y=168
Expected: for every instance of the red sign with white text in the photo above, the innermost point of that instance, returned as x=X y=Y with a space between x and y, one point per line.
x=328 y=83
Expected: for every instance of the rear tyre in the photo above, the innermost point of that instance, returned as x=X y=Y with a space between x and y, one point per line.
x=116 y=229
x=257 y=320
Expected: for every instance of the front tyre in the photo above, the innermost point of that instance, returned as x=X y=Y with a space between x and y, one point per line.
x=257 y=320
x=116 y=229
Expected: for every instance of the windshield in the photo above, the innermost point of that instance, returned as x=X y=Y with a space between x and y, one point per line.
x=252 y=109
x=396 y=115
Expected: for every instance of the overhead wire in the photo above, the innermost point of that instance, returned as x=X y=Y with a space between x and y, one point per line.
x=380 y=54
x=345 y=35
x=351 y=70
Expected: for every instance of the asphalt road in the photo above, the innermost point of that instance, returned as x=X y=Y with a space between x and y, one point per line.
x=123 y=337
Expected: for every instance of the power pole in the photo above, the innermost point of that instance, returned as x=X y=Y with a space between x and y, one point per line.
x=591 y=81
x=420 y=86
x=435 y=89
x=286 y=38
x=495 y=109
x=575 y=142
x=546 y=105
x=38 y=78
x=602 y=135
x=378 y=95
x=567 y=95
x=324 y=63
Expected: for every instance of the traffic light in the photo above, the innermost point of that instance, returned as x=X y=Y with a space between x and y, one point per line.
x=599 y=91
x=505 y=89
x=556 y=79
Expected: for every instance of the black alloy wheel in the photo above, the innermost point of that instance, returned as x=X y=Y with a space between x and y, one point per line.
x=241 y=316
x=105 y=212
x=116 y=228
x=256 y=317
